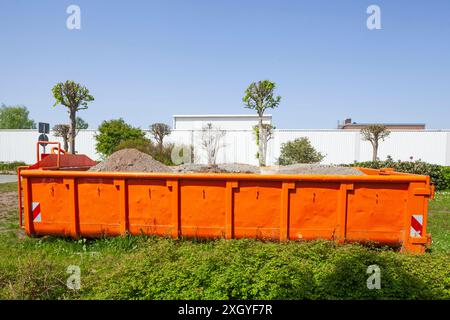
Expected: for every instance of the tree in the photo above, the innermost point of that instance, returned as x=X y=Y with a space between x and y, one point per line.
x=159 y=131
x=211 y=142
x=111 y=133
x=267 y=135
x=74 y=97
x=259 y=96
x=374 y=134
x=62 y=131
x=15 y=117
x=81 y=124
x=299 y=150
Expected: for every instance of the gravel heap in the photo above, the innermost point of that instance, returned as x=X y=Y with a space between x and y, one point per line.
x=130 y=160
x=301 y=168
x=219 y=168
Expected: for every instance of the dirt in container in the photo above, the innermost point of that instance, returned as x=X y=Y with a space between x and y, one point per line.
x=130 y=160
x=219 y=168
x=311 y=169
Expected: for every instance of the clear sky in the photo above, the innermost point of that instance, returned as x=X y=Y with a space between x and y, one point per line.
x=147 y=60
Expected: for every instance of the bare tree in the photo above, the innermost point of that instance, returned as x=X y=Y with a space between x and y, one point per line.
x=211 y=141
x=62 y=131
x=374 y=134
x=159 y=132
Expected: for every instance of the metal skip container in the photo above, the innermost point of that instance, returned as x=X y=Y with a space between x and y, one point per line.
x=381 y=206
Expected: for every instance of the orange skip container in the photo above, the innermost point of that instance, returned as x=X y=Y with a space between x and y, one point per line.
x=382 y=206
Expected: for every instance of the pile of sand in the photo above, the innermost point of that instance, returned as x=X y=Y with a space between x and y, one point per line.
x=219 y=168
x=312 y=169
x=130 y=160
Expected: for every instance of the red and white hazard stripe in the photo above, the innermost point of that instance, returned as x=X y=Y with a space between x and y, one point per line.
x=36 y=208
x=416 y=225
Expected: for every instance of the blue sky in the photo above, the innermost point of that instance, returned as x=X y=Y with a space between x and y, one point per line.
x=147 y=60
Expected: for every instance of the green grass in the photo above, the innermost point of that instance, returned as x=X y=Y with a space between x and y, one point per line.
x=439 y=221
x=8 y=187
x=158 y=268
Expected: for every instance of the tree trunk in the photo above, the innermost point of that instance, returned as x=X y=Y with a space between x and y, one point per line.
x=66 y=143
x=262 y=160
x=73 y=124
x=375 y=151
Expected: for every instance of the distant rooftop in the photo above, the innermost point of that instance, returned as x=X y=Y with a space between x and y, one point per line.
x=348 y=124
x=219 y=116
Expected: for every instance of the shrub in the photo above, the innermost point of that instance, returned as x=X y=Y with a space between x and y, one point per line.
x=113 y=132
x=11 y=166
x=299 y=151
x=439 y=175
x=147 y=146
x=163 y=154
x=141 y=144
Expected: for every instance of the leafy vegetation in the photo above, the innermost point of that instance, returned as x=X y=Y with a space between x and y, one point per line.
x=299 y=151
x=140 y=267
x=111 y=133
x=15 y=117
x=439 y=175
x=160 y=153
x=259 y=96
x=74 y=97
x=11 y=166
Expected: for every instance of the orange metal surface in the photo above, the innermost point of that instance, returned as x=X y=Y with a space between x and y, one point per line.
x=377 y=207
x=58 y=159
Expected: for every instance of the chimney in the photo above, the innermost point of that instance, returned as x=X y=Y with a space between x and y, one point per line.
x=348 y=121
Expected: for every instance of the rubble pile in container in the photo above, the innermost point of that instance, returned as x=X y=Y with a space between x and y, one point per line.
x=301 y=168
x=218 y=168
x=132 y=160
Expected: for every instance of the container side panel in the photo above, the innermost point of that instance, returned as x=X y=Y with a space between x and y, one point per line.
x=149 y=207
x=50 y=206
x=257 y=207
x=202 y=205
x=99 y=207
x=376 y=212
x=313 y=210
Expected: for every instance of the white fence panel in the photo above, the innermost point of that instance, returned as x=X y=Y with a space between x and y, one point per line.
x=338 y=146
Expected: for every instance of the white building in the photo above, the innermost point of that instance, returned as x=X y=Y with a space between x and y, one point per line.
x=219 y=121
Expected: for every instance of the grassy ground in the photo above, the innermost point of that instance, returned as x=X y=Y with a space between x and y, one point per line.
x=158 y=268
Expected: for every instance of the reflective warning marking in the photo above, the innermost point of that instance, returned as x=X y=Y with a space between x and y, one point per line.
x=416 y=225
x=36 y=209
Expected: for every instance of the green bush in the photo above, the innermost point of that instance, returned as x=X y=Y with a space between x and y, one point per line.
x=142 y=144
x=11 y=166
x=439 y=175
x=113 y=132
x=299 y=151
x=147 y=146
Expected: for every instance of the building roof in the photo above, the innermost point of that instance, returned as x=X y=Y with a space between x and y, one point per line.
x=218 y=115
x=349 y=124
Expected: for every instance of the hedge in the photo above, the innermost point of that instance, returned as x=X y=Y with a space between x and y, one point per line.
x=11 y=166
x=439 y=175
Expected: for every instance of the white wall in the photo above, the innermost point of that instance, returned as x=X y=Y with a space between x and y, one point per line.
x=340 y=146
x=225 y=122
